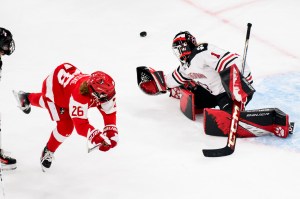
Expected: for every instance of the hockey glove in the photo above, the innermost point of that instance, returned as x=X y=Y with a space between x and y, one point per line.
x=97 y=138
x=150 y=81
x=111 y=132
x=175 y=92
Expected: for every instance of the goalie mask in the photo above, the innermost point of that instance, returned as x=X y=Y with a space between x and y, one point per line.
x=7 y=44
x=101 y=86
x=183 y=44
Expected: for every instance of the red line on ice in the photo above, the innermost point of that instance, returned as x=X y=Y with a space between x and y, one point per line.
x=228 y=22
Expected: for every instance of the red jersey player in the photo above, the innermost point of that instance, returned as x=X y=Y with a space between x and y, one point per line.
x=67 y=94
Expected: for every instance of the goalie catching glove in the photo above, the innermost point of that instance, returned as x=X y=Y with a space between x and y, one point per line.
x=150 y=81
x=104 y=140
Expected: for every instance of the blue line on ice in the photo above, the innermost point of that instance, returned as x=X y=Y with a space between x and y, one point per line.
x=283 y=92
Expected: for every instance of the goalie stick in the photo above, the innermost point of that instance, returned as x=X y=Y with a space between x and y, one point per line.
x=236 y=110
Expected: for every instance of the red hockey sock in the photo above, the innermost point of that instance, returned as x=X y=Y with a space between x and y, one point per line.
x=53 y=144
x=63 y=130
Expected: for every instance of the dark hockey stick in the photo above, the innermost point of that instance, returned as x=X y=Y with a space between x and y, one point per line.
x=236 y=110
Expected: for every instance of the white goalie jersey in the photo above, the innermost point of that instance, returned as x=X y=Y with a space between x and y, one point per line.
x=203 y=67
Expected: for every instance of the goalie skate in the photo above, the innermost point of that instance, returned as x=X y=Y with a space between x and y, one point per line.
x=23 y=101
x=291 y=127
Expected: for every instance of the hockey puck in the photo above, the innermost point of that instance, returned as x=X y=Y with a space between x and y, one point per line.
x=143 y=34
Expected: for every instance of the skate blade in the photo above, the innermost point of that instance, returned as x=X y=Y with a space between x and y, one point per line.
x=6 y=167
x=291 y=127
x=16 y=95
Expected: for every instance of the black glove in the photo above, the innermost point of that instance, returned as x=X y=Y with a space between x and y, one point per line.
x=224 y=102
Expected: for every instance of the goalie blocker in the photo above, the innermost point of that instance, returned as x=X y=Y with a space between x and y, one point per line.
x=252 y=123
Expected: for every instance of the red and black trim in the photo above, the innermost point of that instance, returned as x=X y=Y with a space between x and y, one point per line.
x=225 y=61
x=235 y=84
x=187 y=104
x=178 y=77
x=249 y=78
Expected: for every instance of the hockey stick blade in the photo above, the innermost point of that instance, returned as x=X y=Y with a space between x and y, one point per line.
x=217 y=152
x=231 y=141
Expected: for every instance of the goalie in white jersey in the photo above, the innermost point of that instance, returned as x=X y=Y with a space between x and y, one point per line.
x=201 y=64
x=199 y=72
x=204 y=80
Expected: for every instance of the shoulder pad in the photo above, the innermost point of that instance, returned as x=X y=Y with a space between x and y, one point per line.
x=200 y=48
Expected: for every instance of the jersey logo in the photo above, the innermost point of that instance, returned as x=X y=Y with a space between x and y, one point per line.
x=202 y=47
x=196 y=75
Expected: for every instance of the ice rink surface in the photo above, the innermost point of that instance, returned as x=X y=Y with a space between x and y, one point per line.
x=159 y=155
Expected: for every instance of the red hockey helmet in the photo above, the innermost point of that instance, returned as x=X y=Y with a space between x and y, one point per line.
x=101 y=86
x=183 y=44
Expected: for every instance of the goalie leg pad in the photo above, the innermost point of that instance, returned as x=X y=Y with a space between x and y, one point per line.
x=194 y=100
x=187 y=104
x=252 y=123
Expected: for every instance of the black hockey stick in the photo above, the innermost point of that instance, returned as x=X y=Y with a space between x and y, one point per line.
x=236 y=110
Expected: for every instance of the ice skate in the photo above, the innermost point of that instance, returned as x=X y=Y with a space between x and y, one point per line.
x=46 y=159
x=23 y=101
x=7 y=162
x=291 y=127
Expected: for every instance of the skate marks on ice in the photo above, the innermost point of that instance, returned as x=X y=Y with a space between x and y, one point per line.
x=283 y=92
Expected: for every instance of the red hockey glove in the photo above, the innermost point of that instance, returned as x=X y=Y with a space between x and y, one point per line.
x=175 y=92
x=98 y=138
x=111 y=132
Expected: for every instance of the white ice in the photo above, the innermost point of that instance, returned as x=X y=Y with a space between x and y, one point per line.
x=160 y=151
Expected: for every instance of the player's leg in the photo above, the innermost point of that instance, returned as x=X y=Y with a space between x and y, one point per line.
x=64 y=128
x=7 y=162
x=203 y=98
x=26 y=99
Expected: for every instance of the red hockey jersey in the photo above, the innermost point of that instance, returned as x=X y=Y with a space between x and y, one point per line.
x=62 y=87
